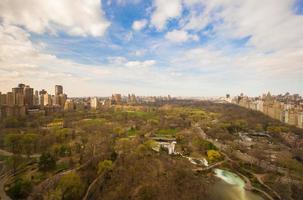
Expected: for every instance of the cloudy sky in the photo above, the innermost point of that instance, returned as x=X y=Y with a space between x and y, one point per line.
x=153 y=47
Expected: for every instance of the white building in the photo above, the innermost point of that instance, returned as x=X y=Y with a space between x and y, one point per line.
x=94 y=103
x=300 y=120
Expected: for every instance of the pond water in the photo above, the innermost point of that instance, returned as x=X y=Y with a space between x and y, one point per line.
x=230 y=186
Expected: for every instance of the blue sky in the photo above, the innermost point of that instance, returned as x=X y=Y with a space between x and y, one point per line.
x=153 y=47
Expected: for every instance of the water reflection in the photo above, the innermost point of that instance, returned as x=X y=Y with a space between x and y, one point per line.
x=231 y=187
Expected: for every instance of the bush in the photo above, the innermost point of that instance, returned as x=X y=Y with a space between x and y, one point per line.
x=47 y=162
x=20 y=189
x=213 y=155
x=71 y=186
x=105 y=166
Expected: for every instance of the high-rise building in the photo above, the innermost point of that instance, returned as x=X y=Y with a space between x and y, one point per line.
x=17 y=90
x=62 y=99
x=117 y=98
x=19 y=99
x=41 y=97
x=47 y=100
x=69 y=105
x=94 y=103
x=58 y=89
x=3 y=99
x=300 y=120
x=10 y=98
x=21 y=85
x=42 y=92
x=36 y=98
x=29 y=96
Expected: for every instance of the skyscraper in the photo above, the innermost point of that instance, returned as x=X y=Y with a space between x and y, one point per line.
x=41 y=98
x=3 y=99
x=19 y=99
x=117 y=98
x=10 y=98
x=58 y=89
x=28 y=96
x=47 y=100
x=36 y=98
x=94 y=103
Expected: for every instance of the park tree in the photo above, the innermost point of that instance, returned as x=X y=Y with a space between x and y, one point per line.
x=47 y=161
x=14 y=161
x=20 y=189
x=53 y=195
x=12 y=122
x=213 y=155
x=29 y=143
x=105 y=166
x=71 y=186
x=13 y=142
x=124 y=145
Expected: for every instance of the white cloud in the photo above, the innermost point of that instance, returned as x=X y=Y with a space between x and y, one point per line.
x=140 y=64
x=75 y=17
x=180 y=36
x=21 y=60
x=164 y=11
x=140 y=52
x=140 y=24
x=124 y=2
x=270 y=24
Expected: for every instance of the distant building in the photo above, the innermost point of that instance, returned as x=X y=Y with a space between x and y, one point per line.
x=58 y=89
x=117 y=98
x=22 y=100
x=69 y=105
x=286 y=108
x=28 y=96
x=3 y=99
x=19 y=99
x=47 y=100
x=36 y=98
x=10 y=99
x=300 y=120
x=94 y=103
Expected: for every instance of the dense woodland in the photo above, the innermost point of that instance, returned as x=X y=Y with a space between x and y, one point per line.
x=108 y=153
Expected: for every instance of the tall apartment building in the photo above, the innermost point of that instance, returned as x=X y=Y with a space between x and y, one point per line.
x=10 y=99
x=292 y=118
x=94 y=103
x=59 y=98
x=28 y=96
x=117 y=98
x=62 y=99
x=41 y=97
x=47 y=100
x=300 y=120
x=22 y=98
x=3 y=99
x=58 y=89
x=36 y=98
x=19 y=99
x=69 y=105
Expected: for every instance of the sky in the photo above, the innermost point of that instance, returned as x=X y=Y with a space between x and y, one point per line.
x=153 y=47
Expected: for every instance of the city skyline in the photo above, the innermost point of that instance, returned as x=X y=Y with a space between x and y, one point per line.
x=51 y=89
x=178 y=47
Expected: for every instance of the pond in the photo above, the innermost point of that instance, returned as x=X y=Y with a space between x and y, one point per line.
x=230 y=186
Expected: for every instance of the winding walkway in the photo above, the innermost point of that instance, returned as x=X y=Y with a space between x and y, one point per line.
x=247 y=180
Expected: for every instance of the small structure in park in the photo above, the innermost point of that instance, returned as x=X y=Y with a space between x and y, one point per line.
x=165 y=143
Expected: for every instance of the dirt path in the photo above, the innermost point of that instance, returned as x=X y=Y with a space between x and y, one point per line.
x=3 y=179
x=247 y=180
x=7 y=153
